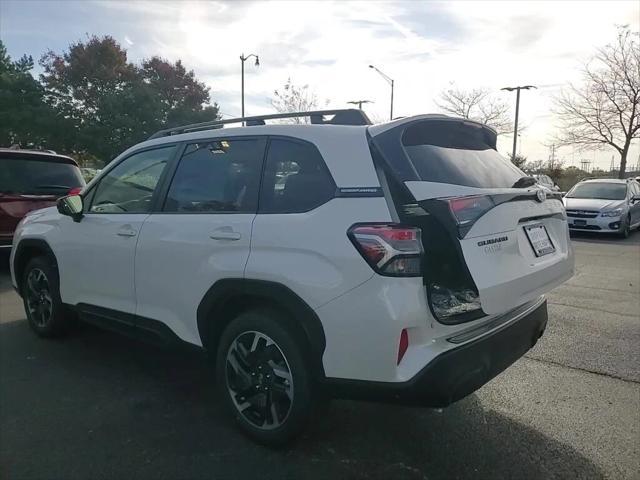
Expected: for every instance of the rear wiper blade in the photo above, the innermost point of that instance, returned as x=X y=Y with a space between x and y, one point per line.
x=524 y=182
x=53 y=187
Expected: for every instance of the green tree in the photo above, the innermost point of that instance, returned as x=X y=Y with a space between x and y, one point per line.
x=519 y=160
x=25 y=118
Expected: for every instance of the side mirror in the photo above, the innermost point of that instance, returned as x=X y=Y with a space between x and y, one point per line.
x=635 y=198
x=71 y=206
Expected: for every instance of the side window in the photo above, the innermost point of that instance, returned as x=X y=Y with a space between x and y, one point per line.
x=217 y=176
x=295 y=178
x=129 y=187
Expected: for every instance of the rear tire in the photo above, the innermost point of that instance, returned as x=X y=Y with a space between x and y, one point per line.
x=46 y=314
x=264 y=376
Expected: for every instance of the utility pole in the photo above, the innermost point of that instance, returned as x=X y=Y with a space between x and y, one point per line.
x=515 y=128
x=242 y=60
x=359 y=103
x=552 y=156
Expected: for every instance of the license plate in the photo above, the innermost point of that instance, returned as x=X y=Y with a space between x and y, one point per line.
x=539 y=239
x=580 y=222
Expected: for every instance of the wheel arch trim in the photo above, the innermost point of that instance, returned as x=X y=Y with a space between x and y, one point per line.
x=20 y=258
x=222 y=293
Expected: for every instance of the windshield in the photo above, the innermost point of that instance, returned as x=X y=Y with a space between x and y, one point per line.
x=604 y=191
x=447 y=152
x=36 y=177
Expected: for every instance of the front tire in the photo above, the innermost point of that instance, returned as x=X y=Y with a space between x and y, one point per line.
x=625 y=228
x=46 y=314
x=264 y=376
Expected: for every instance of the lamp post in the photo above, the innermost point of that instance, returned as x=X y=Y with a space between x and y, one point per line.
x=359 y=103
x=515 y=128
x=390 y=82
x=242 y=60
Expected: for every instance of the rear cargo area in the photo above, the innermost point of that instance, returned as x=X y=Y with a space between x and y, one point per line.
x=452 y=293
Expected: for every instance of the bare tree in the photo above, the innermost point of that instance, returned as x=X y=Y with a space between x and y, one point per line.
x=293 y=98
x=605 y=109
x=477 y=104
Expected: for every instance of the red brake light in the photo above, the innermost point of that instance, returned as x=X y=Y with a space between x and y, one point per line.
x=403 y=345
x=75 y=191
x=468 y=209
x=389 y=249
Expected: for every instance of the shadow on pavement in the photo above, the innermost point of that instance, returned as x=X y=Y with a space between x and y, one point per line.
x=97 y=405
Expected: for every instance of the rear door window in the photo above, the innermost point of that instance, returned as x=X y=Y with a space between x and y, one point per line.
x=296 y=178
x=36 y=177
x=457 y=153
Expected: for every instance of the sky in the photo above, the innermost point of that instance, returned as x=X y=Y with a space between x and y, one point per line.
x=425 y=46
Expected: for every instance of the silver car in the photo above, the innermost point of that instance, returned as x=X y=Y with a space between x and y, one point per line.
x=547 y=182
x=604 y=205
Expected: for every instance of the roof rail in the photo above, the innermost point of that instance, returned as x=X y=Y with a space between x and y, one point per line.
x=347 y=116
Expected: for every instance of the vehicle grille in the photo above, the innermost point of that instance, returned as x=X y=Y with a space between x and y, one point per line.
x=582 y=213
x=584 y=227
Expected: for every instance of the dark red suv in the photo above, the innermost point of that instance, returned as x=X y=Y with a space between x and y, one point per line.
x=32 y=179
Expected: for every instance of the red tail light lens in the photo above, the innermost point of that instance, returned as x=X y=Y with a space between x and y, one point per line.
x=403 y=345
x=390 y=249
x=75 y=191
x=468 y=209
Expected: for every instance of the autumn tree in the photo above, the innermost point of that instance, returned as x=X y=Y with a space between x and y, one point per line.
x=180 y=97
x=113 y=103
x=477 y=104
x=604 y=110
x=293 y=98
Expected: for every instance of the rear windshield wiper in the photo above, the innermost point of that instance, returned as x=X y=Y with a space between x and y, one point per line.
x=53 y=187
x=524 y=182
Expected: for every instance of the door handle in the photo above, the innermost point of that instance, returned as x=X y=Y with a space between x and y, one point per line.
x=126 y=231
x=225 y=233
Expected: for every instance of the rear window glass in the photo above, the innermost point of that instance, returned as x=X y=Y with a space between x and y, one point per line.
x=35 y=177
x=604 y=191
x=459 y=154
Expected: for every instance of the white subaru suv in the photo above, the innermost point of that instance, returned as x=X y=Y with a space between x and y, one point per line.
x=403 y=262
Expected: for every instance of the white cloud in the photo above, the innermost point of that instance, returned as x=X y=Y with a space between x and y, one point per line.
x=422 y=45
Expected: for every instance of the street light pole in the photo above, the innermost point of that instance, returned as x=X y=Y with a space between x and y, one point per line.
x=391 y=114
x=242 y=60
x=391 y=82
x=515 y=128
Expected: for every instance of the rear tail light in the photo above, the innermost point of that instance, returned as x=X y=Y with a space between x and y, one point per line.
x=390 y=249
x=467 y=210
x=75 y=191
x=403 y=345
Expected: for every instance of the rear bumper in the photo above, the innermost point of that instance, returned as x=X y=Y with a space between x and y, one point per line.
x=456 y=373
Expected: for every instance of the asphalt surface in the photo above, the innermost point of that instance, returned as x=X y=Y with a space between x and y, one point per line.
x=96 y=405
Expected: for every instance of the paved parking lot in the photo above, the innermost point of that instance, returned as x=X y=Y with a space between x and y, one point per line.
x=100 y=406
